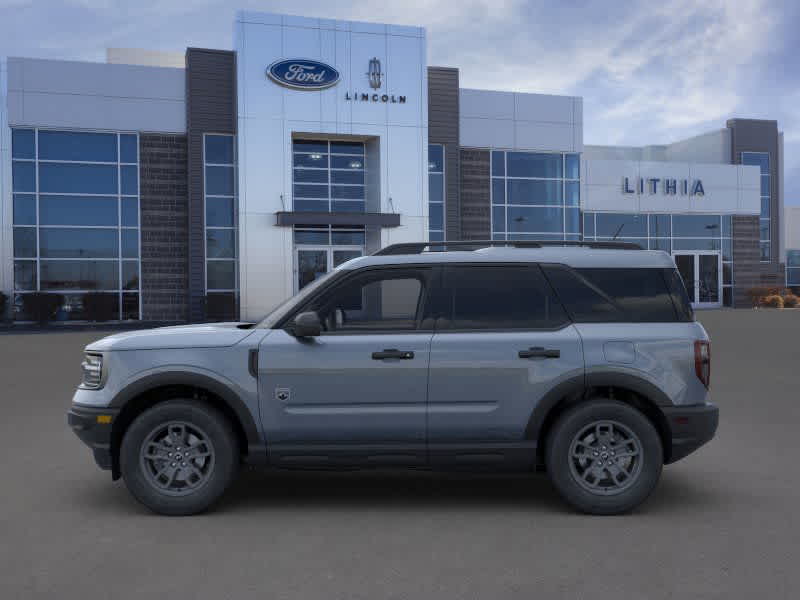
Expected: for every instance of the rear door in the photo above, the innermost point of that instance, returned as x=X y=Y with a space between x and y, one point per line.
x=502 y=342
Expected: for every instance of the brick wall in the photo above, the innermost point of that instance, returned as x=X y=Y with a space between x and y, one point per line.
x=164 y=215
x=476 y=218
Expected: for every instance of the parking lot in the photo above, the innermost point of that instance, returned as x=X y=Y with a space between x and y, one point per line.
x=724 y=523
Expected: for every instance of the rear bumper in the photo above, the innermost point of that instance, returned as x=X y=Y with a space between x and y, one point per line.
x=83 y=421
x=691 y=426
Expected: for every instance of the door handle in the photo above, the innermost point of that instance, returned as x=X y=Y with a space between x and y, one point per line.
x=393 y=353
x=539 y=352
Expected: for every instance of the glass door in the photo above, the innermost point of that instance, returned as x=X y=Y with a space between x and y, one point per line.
x=702 y=275
x=312 y=262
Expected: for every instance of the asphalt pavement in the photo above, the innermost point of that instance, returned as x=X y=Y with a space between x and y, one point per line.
x=723 y=523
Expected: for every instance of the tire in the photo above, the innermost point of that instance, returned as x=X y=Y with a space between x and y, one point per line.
x=166 y=432
x=628 y=449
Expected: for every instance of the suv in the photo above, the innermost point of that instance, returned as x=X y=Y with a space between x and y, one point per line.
x=583 y=359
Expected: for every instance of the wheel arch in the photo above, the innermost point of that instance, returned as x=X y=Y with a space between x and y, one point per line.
x=148 y=391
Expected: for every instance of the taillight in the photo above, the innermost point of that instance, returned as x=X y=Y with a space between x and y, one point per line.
x=702 y=361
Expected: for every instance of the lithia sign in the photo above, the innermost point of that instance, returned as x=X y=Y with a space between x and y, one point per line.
x=306 y=74
x=667 y=186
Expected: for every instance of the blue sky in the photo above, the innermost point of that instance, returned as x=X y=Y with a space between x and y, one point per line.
x=649 y=72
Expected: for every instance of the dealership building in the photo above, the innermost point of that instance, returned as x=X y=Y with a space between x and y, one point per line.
x=213 y=184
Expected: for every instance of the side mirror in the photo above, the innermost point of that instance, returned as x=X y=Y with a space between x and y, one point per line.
x=307 y=324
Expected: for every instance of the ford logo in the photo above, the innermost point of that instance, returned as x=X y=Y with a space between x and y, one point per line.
x=303 y=74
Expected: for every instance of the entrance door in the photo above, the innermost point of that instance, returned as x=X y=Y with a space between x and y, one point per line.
x=314 y=261
x=702 y=275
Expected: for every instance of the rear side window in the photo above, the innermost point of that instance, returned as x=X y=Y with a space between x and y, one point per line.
x=498 y=297
x=617 y=295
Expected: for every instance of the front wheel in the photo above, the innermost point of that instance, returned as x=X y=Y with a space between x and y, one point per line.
x=604 y=457
x=178 y=457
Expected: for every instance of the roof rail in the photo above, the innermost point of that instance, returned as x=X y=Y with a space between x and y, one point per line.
x=419 y=247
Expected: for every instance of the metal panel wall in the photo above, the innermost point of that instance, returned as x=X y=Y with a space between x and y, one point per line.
x=443 y=128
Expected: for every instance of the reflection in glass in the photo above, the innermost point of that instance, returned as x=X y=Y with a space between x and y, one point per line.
x=78 y=243
x=77 y=146
x=220 y=243
x=311 y=265
x=66 y=178
x=221 y=274
x=25 y=242
x=79 y=275
x=77 y=210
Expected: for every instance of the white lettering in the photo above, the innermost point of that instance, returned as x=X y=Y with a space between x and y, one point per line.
x=302 y=74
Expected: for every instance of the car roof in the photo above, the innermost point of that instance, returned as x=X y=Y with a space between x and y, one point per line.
x=578 y=257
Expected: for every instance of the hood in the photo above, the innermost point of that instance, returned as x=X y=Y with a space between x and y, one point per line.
x=207 y=335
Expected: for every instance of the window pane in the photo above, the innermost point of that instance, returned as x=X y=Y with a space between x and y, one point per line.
x=130 y=212
x=695 y=244
x=435 y=158
x=765 y=185
x=372 y=302
x=621 y=225
x=793 y=277
x=318 y=161
x=311 y=237
x=661 y=244
x=727 y=296
x=130 y=274
x=23 y=144
x=529 y=164
x=765 y=208
x=311 y=175
x=727 y=249
x=727 y=273
x=219 y=149
x=727 y=226
x=310 y=191
x=348 y=206
x=79 y=275
x=696 y=225
x=311 y=205
x=130 y=307
x=219 y=212
x=572 y=189
x=347 y=148
x=219 y=181
x=793 y=258
x=23 y=176
x=77 y=210
x=498 y=191
x=498 y=163
x=660 y=226
x=75 y=145
x=766 y=251
x=436 y=216
x=77 y=179
x=498 y=218
x=436 y=236
x=129 y=180
x=759 y=159
x=221 y=274
x=521 y=191
x=588 y=225
x=24 y=209
x=25 y=242
x=345 y=162
x=221 y=306
x=347 y=192
x=342 y=256
x=348 y=238
x=25 y=275
x=500 y=298
x=130 y=243
x=572 y=220
x=763 y=229
x=78 y=243
x=310 y=146
x=220 y=243
x=543 y=220
x=352 y=177
x=436 y=187
x=128 y=149
x=573 y=166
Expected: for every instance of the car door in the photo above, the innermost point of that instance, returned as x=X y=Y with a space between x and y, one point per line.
x=502 y=342
x=358 y=392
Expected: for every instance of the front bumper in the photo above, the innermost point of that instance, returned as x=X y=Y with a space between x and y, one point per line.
x=691 y=426
x=94 y=432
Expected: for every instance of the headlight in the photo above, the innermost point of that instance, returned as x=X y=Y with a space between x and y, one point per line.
x=92 y=368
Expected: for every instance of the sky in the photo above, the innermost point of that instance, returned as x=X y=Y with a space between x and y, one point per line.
x=649 y=72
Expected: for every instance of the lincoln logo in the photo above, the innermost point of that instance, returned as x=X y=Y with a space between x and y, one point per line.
x=374 y=74
x=301 y=74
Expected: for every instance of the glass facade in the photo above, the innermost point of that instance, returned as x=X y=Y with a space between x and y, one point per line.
x=328 y=176
x=761 y=160
x=435 y=192
x=669 y=232
x=219 y=158
x=535 y=196
x=793 y=268
x=76 y=219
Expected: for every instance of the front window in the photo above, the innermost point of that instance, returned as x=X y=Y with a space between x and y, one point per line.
x=761 y=160
x=535 y=196
x=436 y=192
x=76 y=222
x=793 y=268
x=328 y=176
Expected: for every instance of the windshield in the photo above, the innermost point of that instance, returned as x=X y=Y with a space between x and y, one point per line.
x=284 y=307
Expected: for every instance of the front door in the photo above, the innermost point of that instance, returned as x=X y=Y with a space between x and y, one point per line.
x=358 y=392
x=502 y=342
x=702 y=275
x=314 y=261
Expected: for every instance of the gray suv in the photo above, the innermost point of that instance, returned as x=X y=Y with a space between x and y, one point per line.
x=583 y=359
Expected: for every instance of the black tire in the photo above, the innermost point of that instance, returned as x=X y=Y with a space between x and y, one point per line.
x=208 y=479
x=617 y=421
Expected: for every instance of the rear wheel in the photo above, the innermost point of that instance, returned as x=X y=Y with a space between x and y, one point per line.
x=178 y=457
x=604 y=457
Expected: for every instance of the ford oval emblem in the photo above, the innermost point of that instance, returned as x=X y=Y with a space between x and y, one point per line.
x=303 y=74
